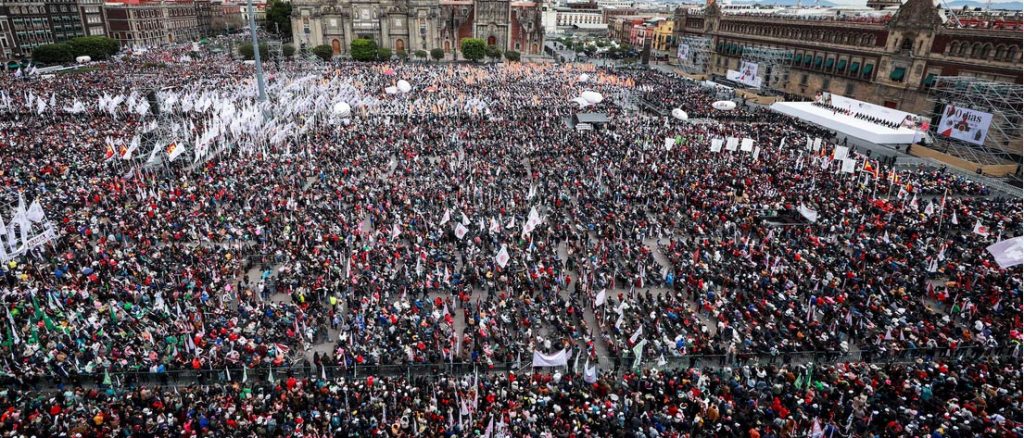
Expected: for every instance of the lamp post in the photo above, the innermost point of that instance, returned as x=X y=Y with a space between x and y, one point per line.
x=256 y=54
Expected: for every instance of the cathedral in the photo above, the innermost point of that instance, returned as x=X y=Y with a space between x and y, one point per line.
x=411 y=25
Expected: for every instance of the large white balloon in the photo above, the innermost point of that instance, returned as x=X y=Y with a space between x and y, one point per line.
x=404 y=86
x=584 y=77
x=582 y=102
x=680 y=114
x=592 y=97
x=724 y=105
x=391 y=90
x=342 y=109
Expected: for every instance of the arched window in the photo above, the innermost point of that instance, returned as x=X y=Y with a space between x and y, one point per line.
x=1012 y=53
x=953 y=48
x=985 y=51
x=976 y=50
x=491 y=40
x=965 y=48
x=1000 y=52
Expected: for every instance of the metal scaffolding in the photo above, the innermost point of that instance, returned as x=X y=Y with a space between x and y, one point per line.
x=699 y=54
x=773 y=62
x=1003 y=100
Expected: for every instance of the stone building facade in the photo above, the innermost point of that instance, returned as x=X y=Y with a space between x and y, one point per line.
x=411 y=25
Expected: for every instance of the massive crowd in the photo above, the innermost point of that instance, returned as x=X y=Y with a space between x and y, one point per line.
x=465 y=221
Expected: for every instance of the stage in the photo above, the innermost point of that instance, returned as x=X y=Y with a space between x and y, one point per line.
x=844 y=124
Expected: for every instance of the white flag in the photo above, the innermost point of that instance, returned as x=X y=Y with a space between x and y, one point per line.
x=502 y=257
x=447 y=217
x=460 y=230
x=589 y=373
x=1008 y=253
x=639 y=331
x=980 y=229
x=601 y=297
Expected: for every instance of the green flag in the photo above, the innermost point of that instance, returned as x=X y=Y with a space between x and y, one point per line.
x=106 y=377
x=39 y=314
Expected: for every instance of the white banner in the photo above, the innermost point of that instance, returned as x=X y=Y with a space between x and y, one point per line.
x=841 y=153
x=747 y=145
x=683 y=52
x=964 y=124
x=1008 y=253
x=731 y=143
x=746 y=76
x=559 y=359
x=716 y=145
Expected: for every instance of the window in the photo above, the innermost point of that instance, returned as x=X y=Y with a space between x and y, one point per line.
x=803 y=79
x=897 y=73
x=849 y=89
x=825 y=84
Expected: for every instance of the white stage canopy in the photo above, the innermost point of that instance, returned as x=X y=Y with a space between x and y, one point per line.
x=848 y=125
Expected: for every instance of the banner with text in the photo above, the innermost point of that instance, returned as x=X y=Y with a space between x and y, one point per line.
x=965 y=124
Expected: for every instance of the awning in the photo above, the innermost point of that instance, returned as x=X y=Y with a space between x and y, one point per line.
x=855 y=68
x=817 y=61
x=829 y=62
x=897 y=74
x=930 y=80
x=868 y=68
x=842 y=65
x=799 y=57
x=808 y=59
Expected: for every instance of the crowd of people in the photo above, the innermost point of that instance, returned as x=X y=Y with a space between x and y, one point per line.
x=465 y=222
x=862 y=116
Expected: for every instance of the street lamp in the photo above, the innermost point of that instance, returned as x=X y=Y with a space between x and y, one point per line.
x=256 y=54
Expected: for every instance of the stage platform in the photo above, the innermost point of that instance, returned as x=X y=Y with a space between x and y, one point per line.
x=844 y=124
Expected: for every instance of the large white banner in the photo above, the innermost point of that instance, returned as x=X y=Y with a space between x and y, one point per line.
x=965 y=124
x=746 y=76
x=683 y=52
x=559 y=359
x=1008 y=253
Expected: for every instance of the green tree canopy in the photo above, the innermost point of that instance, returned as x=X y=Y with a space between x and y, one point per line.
x=364 y=49
x=383 y=54
x=421 y=54
x=53 y=54
x=493 y=53
x=288 y=50
x=279 y=17
x=245 y=50
x=323 y=52
x=95 y=47
x=437 y=54
x=512 y=56
x=473 y=49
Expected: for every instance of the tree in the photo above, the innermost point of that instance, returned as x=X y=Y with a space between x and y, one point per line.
x=95 y=47
x=422 y=54
x=512 y=56
x=383 y=54
x=279 y=17
x=493 y=53
x=53 y=54
x=364 y=49
x=245 y=50
x=473 y=49
x=288 y=50
x=323 y=52
x=437 y=54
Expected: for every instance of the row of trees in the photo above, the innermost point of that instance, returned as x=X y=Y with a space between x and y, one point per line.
x=473 y=49
x=366 y=50
x=95 y=47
